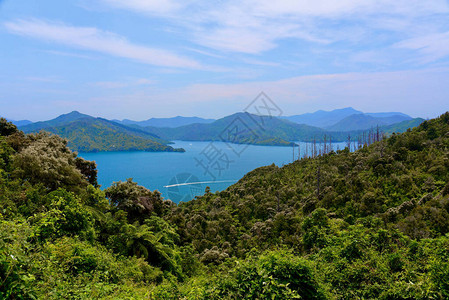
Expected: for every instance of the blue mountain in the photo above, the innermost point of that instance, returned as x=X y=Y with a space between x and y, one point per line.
x=167 y=122
x=323 y=118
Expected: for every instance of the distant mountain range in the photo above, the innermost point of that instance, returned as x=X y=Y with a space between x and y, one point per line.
x=323 y=118
x=86 y=133
x=265 y=130
x=345 y=119
x=348 y=119
x=89 y=134
x=364 y=121
x=20 y=122
x=166 y=122
x=242 y=128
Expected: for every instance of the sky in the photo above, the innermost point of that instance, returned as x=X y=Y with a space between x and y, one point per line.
x=138 y=59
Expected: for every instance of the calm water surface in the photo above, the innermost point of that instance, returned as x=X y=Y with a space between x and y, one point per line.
x=181 y=176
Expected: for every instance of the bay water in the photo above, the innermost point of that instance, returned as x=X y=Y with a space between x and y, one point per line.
x=182 y=176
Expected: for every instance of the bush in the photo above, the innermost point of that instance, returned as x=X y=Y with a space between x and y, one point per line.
x=274 y=275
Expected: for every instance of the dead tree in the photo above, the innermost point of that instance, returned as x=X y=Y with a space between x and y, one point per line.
x=348 y=142
x=318 y=179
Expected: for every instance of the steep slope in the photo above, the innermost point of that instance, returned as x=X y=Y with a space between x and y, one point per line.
x=364 y=121
x=167 y=122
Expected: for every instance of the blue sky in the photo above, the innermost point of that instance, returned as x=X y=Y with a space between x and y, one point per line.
x=138 y=59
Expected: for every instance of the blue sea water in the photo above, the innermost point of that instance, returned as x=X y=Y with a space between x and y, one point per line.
x=182 y=176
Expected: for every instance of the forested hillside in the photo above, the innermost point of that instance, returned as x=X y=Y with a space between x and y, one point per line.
x=369 y=224
x=88 y=134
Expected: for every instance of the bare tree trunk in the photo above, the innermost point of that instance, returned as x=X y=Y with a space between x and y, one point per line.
x=293 y=148
x=318 y=178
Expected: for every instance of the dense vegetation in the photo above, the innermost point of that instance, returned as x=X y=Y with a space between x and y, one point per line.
x=402 y=126
x=88 y=134
x=371 y=224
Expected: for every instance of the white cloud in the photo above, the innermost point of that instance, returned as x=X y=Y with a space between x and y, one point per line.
x=148 y=6
x=123 y=83
x=206 y=53
x=256 y=26
x=68 y=54
x=432 y=47
x=90 y=38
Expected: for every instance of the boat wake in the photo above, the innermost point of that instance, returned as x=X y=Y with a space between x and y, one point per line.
x=200 y=182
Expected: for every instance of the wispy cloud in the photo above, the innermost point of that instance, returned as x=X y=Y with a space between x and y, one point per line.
x=149 y=6
x=260 y=62
x=431 y=47
x=252 y=27
x=123 y=84
x=68 y=54
x=90 y=38
x=206 y=53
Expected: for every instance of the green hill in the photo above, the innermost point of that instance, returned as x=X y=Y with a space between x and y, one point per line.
x=87 y=134
x=402 y=126
x=58 y=121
